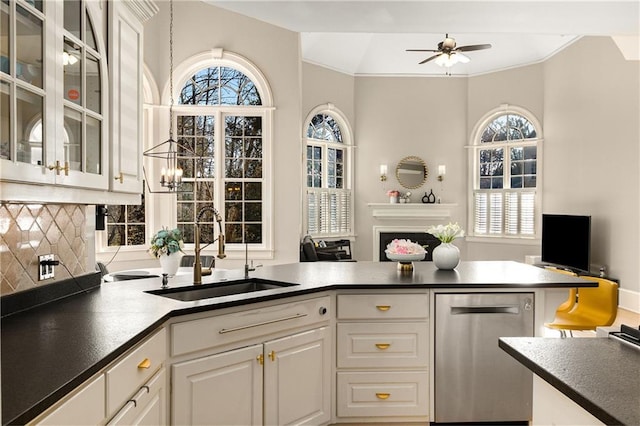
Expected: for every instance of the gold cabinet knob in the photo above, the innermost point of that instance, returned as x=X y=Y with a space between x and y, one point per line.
x=260 y=359
x=383 y=308
x=383 y=346
x=120 y=177
x=272 y=355
x=382 y=395
x=146 y=363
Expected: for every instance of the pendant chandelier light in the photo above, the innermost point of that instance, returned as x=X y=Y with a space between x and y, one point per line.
x=171 y=173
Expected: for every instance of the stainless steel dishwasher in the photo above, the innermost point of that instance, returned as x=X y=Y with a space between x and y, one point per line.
x=475 y=381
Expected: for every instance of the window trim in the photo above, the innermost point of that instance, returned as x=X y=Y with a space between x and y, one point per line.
x=472 y=160
x=182 y=73
x=349 y=147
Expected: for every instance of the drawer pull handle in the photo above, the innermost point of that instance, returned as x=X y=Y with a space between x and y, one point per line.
x=383 y=308
x=383 y=346
x=146 y=363
x=383 y=395
x=244 y=327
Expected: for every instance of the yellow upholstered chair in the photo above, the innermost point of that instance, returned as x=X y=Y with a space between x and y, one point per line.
x=596 y=307
x=568 y=304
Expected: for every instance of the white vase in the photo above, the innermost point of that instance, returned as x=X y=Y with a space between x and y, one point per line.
x=393 y=200
x=446 y=256
x=170 y=263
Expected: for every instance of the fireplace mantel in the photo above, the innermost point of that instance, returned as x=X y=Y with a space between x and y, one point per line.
x=395 y=211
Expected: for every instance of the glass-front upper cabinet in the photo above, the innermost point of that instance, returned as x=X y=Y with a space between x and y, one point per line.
x=53 y=85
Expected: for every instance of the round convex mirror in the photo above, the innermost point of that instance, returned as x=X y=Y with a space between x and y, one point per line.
x=412 y=172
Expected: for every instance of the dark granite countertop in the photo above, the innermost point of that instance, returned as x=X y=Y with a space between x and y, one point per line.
x=599 y=374
x=49 y=350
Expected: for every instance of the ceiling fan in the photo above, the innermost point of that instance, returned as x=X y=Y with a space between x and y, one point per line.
x=448 y=54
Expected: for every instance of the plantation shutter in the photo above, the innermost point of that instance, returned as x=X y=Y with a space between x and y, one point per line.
x=328 y=211
x=509 y=213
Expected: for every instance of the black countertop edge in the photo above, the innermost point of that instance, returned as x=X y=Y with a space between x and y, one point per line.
x=47 y=402
x=28 y=299
x=567 y=390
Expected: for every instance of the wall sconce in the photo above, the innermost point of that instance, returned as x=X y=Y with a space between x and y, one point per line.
x=442 y=170
x=383 y=172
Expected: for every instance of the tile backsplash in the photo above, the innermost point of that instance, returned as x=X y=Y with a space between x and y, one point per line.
x=30 y=230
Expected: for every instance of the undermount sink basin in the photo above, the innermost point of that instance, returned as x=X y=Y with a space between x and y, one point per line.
x=208 y=291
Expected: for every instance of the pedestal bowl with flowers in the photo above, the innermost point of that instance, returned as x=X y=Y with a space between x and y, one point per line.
x=405 y=252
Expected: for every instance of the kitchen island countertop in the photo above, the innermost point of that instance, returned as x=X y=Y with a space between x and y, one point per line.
x=599 y=374
x=49 y=350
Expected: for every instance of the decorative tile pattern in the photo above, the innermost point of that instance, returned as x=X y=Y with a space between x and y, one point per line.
x=30 y=230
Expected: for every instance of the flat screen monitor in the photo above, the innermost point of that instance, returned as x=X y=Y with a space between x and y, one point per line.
x=566 y=241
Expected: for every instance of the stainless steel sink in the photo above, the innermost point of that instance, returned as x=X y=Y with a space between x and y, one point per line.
x=208 y=291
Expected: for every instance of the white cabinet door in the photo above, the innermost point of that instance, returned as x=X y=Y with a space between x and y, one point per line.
x=297 y=379
x=125 y=59
x=221 y=389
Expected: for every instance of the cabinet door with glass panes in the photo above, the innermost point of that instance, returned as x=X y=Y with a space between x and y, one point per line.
x=53 y=81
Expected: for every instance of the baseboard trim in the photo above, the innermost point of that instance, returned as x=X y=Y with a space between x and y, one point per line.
x=629 y=300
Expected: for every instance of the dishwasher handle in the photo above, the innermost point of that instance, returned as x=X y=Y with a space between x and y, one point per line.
x=466 y=310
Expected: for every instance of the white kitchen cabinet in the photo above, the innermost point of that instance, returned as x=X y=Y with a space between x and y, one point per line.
x=82 y=407
x=126 y=59
x=130 y=373
x=552 y=407
x=266 y=365
x=130 y=390
x=382 y=357
x=57 y=123
x=221 y=389
x=291 y=375
x=297 y=379
x=57 y=126
x=148 y=406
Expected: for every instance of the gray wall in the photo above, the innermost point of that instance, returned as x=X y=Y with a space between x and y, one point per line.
x=592 y=119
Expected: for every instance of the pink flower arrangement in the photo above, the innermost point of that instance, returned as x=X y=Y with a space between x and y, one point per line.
x=404 y=247
x=393 y=193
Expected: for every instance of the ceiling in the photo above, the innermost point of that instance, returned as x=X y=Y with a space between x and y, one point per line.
x=364 y=37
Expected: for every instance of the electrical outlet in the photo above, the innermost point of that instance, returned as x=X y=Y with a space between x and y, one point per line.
x=45 y=271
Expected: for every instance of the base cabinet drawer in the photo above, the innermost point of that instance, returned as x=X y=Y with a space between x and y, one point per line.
x=383 y=306
x=148 y=405
x=380 y=394
x=131 y=372
x=206 y=333
x=390 y=345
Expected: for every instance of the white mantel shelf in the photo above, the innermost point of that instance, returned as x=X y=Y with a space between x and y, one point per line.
x=395 y=211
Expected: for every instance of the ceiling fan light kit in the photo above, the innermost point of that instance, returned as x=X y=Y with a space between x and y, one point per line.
x=447 y=54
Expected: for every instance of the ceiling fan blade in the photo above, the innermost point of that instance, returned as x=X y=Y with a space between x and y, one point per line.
x=429 y=59
x=422 y=50
x=472 y=47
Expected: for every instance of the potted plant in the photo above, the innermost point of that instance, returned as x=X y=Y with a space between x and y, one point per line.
x=166 y=245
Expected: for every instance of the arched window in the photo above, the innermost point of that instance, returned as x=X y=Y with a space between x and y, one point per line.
x=506 y=168
x=223 y=122
x=328 y=209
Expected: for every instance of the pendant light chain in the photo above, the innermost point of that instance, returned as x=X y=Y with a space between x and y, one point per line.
x=171 y=69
